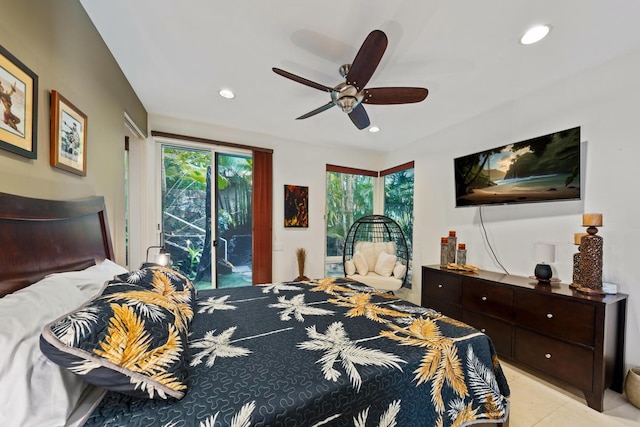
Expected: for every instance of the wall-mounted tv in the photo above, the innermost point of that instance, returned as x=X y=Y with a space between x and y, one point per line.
x=542 y=169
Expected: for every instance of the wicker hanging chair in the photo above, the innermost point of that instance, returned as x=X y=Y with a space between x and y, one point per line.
x=376 y=228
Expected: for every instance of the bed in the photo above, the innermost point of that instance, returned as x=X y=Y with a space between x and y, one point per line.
x=328 y=352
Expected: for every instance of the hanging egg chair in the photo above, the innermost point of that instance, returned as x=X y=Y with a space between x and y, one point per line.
x=376 y=253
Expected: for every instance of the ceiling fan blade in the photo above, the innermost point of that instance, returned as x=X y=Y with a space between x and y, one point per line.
x=316 y=111
x=302 y=80
x=394 y=95
x=367 y=59
x=359 y=117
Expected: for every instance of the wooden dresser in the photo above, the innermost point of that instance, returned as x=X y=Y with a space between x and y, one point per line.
x=555 y=330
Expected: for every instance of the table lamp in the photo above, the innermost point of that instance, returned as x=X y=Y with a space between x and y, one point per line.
x=163 y=257
x=545 y=254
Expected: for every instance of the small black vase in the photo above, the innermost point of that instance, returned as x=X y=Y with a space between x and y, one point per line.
x=543 y=273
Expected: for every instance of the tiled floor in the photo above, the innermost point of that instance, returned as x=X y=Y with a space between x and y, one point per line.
x=539 y=403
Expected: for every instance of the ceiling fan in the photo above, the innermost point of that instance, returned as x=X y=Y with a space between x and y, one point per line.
x=351 y=94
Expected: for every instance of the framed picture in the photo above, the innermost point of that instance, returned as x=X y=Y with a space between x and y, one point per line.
x=68 y=135
x=19 y=96
x=296 y=201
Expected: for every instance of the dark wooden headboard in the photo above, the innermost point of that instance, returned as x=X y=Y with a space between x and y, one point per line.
x=40 y=237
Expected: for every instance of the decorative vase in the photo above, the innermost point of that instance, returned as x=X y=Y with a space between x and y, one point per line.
x=444 y=251
x=452 y=241
x=632 y=386
x=591 y=256
x=301 y=257
x=543 y=273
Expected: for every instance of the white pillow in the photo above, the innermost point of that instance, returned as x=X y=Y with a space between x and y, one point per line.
x=399 y=270
x=90 y=280
x=385 y=264
x=349 y=268
x=34 y=390
x=361 y=263
x=371 y=250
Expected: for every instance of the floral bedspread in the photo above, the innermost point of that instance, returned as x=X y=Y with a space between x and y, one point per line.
x=328 y=352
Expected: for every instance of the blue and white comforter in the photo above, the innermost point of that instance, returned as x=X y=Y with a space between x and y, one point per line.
x=330 y=352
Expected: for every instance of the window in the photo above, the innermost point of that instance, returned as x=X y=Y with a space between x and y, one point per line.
x=349 y=196
x=398 y=200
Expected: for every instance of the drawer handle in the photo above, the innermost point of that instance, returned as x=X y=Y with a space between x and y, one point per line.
x=549 y=315
x=484 y=298
x=548 y=355
x=440 y=285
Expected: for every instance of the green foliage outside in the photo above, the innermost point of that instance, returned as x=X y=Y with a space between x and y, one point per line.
x=349 y=197
x=398 y=202
x=186 y=218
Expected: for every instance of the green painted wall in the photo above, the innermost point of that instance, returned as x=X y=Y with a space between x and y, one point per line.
x=58 y=42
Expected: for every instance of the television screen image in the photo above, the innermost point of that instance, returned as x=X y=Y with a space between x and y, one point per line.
x=546 y=168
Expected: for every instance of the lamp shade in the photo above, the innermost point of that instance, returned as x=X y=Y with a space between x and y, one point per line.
x=592 y=220
x=163 y=258
x=577 y=238
x=545 y=252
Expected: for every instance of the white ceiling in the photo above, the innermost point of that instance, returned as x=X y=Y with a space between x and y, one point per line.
x=177 y=55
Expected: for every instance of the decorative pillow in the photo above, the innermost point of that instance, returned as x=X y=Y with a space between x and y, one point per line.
x=399 y=271
x=349 y=268
x=165 y=281
x=371 y=250
x=361 y=263
x=385 y=264
x=131 y=339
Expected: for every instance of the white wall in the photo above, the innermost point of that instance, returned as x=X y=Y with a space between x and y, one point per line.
x=293 y=163
x=604 y=102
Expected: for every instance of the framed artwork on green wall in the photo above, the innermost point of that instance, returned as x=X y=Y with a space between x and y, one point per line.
x=68 y=135
x=19 y=97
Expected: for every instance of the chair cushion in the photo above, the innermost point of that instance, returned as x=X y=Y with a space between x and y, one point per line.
x=349 y=268
x=399 y=271
x=371 y=251
x=385 y=264
x=362 y=267
x=376 y=281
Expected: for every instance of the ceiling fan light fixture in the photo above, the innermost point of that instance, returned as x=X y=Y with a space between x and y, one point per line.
x=535 y=34
x=347 y=103
x=227 y=93
x=374 y=129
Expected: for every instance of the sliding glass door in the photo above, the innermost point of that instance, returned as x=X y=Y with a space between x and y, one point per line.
x=206 y=214
x=234 y=188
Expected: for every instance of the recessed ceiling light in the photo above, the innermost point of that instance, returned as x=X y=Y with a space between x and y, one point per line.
x=227 y=93
x=535 y=34
x=374 y=129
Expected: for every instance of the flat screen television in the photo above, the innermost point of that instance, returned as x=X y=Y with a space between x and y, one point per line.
x=542 y=169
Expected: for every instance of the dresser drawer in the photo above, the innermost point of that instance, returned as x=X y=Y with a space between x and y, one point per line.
x=571 y=363
x=488 y=299
x=557 y=317
x=498 y=330
x=444 y=307
x=441 y=286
